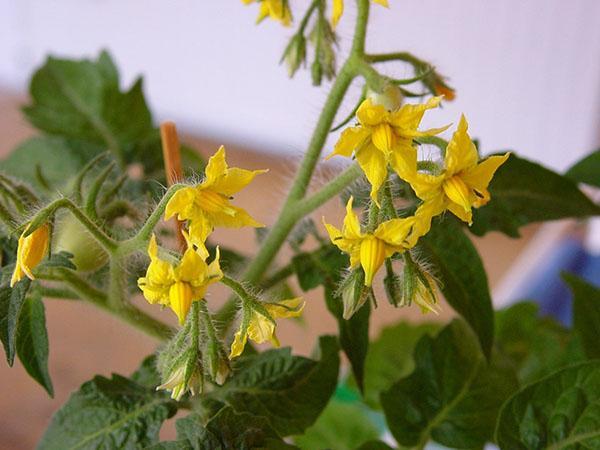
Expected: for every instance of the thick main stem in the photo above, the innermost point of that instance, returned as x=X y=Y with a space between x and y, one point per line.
x=289 y=216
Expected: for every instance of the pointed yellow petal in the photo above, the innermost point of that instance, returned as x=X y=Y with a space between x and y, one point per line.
x=214 y=268
x=191 y=268
x=403 y=160
x=384 y=138
x=351 y=228
x=424 y=215
x=180 y=299
x=372 y=255
x=461 y=153
x=479 y=177
x=351 y=139
x=284 y=309
x=395 y=231
x=30 y=252
x=181 y=203
x=235 y=180
x=216 y=168
x=260 y=329
x=240 y=218
x=198 y=230
x=369 y=114
x=408 y=118
x=460 y=212
x=373 y=163
x=238 y=344
x=458 y=192
x=382 y=2
x=337 y=11
x=426 y=186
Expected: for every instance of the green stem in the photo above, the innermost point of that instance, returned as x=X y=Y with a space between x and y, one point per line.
x=360 y=31
x=58 y=293
x=238 y=289
x=44 y=215
x=126 y=312
x=141 y=238
x=396 y=56
x=195 y=324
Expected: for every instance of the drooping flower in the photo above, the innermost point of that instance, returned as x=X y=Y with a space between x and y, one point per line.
x=258 y=324
x=338 y=10
x=180 y=381
x=208 y=205
x=385 y=137
x=371 y=249
x=177 y=286
x=463 y=184
x=278 y=10
x=30 y=252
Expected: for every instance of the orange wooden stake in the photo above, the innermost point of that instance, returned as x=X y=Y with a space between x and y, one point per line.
x=173 y=170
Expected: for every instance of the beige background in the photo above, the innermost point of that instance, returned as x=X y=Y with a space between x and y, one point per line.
x=85 y=341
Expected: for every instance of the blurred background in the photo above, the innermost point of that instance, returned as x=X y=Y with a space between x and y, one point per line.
x=527 y=75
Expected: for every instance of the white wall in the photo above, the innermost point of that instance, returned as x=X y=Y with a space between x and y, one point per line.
x=526 y=71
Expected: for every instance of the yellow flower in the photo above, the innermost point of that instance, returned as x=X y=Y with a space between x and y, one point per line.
x=371 y=249
x=385 y=137
x=338 y=10
x=207 y=204
x=30 y=251
x=259 y=326
x=275 y=9
x=177 y=286
x=463 y=183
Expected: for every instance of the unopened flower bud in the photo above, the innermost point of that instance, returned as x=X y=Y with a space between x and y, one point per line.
x=354 y=293
x=390 y=98
x=418 y=286
x=74 y=238
x=295 y=53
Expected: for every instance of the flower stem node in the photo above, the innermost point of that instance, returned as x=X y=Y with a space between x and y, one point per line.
x=30 y=252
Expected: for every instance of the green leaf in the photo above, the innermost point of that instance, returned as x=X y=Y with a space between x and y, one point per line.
x=341 y=426
x=586 y=313
x=32 y=341
x=452 y=396
x=390 y=357
x=534 y=346
x=463 y=278
x=289 y=391
x=59 y=259
x=523 y=192
x=353 y=333
x=11 y=303
x=226 y=430
x=147 y=374
x=561 y=411
x=587 y=170
x=80 y=99
x=108 y=413
x=318 y=267
x=58 y=159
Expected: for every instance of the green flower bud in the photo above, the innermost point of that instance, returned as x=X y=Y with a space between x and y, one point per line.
x=72 y=237
x=354 y=293
x=390 y=98
x=295 y=54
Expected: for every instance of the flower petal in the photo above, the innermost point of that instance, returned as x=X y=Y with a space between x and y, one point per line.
x=337 y=11
x=181 y=203
x=461 y=153
x=370 y=114
x=235 y=180
x=350 y=140
x=479 y=177
x=408 y=118
x=373 y=163
x=216 y=168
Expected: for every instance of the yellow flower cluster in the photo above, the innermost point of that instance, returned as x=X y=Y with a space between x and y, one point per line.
x=384 y=138
x=203 y=207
